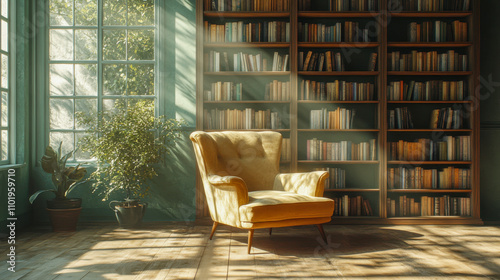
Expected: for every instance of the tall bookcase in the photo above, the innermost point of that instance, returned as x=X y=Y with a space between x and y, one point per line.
x=402 y=183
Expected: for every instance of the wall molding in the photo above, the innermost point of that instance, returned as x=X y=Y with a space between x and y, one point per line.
x=490 y=125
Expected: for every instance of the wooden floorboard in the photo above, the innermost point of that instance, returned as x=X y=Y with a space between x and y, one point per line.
x=183 y=251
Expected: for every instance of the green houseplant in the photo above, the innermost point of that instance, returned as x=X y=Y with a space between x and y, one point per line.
x=126 y=144
x=63 y=211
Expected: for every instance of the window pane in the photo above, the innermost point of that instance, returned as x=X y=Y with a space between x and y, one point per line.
x=140 y=80
x=5 y=8
x=141 y=12
x=141 y=44
x=67 y=139
x=114 y=45
x=4 y=138
x=61 y=44
x=5 y=109
x=5 y=71
x=61 y=12
x=115 y=79
x=86 y=12
x=61 y=113
x=86 y=44
x=61 y=79
x=88 y=106
x=86 y=79
x=115 y=12
x=79 y=155
x=5 y=36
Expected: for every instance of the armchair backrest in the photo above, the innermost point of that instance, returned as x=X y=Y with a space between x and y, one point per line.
x=252 y=156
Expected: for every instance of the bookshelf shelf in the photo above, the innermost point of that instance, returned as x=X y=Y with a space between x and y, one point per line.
x=402 y=162
x=429 y=14
x=247 y=45
x=369 y=179
x=337 y=45
x=429 y=73
x=321 y=14
x=246 y=14
x=338 y=73
x=429 y=45
x=429 y=190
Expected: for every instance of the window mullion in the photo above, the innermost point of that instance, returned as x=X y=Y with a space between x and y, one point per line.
x=100 y=39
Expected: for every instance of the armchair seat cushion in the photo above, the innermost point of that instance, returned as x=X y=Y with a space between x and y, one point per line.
x=271 y=205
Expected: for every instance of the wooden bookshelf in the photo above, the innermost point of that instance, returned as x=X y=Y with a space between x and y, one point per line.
x=366 y=178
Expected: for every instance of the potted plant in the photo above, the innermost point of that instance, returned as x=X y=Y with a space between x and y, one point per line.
x=126 y=144
x=63 y=211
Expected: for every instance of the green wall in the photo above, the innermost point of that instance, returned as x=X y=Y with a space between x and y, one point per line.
x=23 y=207
x=490 y=116
x=172 y=195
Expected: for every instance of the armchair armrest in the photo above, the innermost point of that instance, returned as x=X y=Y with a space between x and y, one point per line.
x=232 y=186
x=308 y=183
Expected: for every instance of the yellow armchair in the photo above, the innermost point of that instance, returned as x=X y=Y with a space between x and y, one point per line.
x=244 y=189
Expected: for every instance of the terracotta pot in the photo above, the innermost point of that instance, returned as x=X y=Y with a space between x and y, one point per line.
x=64 y=219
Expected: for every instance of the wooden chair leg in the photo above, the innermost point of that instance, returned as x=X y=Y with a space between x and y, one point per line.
x=250 y=236
x=322 y=232
x=213 y=229
x=270 y=231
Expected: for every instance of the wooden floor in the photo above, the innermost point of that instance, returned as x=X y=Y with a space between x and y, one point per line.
x=183 y=251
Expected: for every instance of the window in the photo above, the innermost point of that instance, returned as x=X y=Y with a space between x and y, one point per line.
x=100 y=52
x=6 y=131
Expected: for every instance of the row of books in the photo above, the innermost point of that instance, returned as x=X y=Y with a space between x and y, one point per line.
x=318 y=32
x=445 y=205
x=267 y=31
x=277 y=91
x=449 y=148
x=224 y=91
x=429 y=5
x=352 y=206
x=336 y=178
x=286 y=150
x=243 y=62
x=426 y=91
x=241 y=119
x=446 y=118
x=341 y=151
x=420 y=178
x=400 y=118
x=342 y=5
x=341 y=118
x=247 y=5
x=314 y=61
x=438 y=31
x=336 y=91
x=427 y=61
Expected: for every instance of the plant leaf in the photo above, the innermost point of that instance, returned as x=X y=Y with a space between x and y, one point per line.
x=35 y=195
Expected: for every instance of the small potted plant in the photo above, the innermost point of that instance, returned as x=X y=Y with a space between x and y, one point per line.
x=126 y=144
x=63 y=211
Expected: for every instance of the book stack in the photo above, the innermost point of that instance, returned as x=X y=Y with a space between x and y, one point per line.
x=427 y=61
x=403 y=207
x=343 y=5
x=420 y=178
x=352 y=206
x=400 y=118
x=445 y=206
x=438 y=31
x=241 y=119
x=426 y=91
x=277 y=91
x=341 y=118
x=446 y=118
x=429 y=5
x=224 y=91
x=336 y=179
x=246 y=5
x=216 y=61
x=347 y=32
x=286 y=151
x=315 y=61
x=238 y=31
x=341 y=151
x=450 y=148
x=336 y=91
